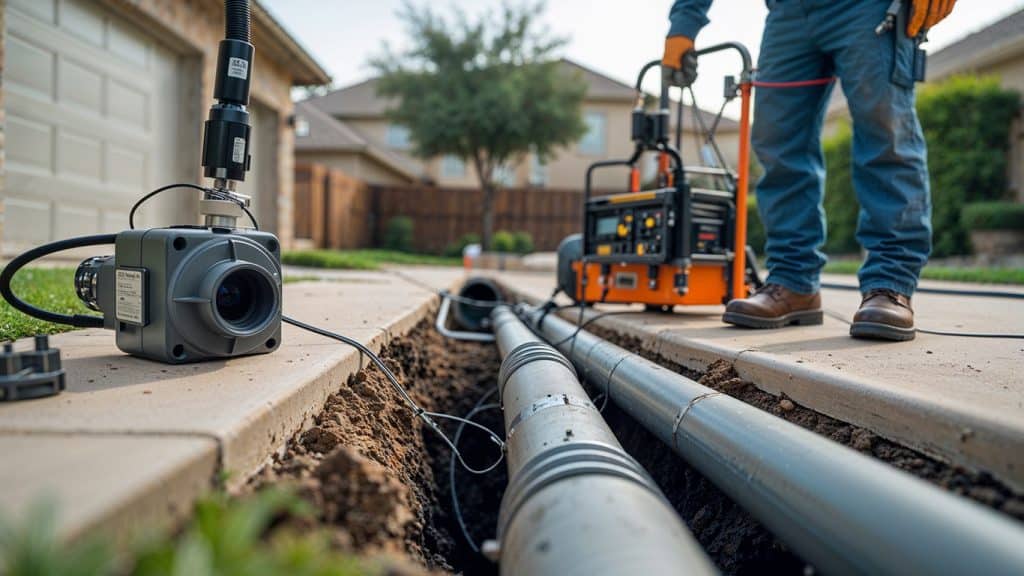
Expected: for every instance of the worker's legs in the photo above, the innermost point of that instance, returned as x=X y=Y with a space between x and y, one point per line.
x=787 y=141
x=890 y=172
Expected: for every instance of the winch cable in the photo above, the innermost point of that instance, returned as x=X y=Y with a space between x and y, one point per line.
x=842 y=318
x=426 y=416
x=210 y=193
x=25 y=258
x=479 y=407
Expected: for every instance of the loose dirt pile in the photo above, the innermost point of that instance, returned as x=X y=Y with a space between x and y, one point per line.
x=377 y=477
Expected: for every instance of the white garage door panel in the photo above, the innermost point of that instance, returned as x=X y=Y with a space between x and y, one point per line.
x=92 y=110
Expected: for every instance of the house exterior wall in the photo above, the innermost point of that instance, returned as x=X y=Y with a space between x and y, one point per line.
x=566 y=170
x=194 y=28
x=354 y=164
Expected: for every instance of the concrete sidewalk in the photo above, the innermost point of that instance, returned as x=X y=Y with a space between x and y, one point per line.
x=959 y=399
x=133 y=442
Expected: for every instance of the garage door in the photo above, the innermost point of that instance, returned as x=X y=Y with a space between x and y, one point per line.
x=92 y=107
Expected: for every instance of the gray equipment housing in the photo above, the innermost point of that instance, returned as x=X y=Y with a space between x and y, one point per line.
x=570 y=251
x=180 y=295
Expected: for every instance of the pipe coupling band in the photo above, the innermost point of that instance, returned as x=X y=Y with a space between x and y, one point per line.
x=525 y=354
x=569 y=461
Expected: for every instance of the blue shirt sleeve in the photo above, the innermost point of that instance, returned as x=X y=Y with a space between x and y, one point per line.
x=688 y=17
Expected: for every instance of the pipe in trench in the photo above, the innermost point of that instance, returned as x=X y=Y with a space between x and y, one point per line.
x=842 y=511
x=576 y=503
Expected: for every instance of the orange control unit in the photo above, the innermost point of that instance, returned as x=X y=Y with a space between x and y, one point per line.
x=680 y=243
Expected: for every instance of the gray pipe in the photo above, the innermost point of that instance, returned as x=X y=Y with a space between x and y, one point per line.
x=842 y=511
x=576 y=502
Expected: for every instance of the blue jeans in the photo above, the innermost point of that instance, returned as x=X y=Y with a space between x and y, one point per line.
x=809 y=39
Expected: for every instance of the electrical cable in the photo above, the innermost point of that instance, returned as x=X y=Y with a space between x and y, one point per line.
x=841 y=318
x=20 y=261
x=426 y=416
x=939 y=291
x=214 y=194
x=477 y=408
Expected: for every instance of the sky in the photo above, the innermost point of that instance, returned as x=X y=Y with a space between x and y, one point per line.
x=614 y=37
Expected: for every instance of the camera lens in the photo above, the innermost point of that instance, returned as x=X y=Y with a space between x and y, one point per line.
x=245 y=300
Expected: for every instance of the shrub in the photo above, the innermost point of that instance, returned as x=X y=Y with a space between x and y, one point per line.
x=966 y=123
x=755 y=229
x=398 y=234
x=503 y=241
x=522 y=242
x=841 y=206
x=993 y=216
x=455 y=249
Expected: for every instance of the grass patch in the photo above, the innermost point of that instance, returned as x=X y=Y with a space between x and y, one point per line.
x=48 y=288
x=256 y=535
x=363 y=259
x=947 y=273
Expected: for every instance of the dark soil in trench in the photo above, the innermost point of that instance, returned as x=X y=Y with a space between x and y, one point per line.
x=378 y=478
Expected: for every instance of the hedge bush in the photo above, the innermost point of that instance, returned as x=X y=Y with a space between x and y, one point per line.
x=966 y=122
x=456 y=248
x=503 y=241
x=398 y=234
x=993 y=216
x=522 y=242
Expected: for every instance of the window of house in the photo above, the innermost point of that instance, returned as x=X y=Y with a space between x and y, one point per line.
x=301 y=127
x=593 y=142
x=398 y=137
x=453 y=167
x=505 y=175
x=538 y=171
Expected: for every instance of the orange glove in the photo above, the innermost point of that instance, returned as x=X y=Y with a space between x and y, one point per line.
x=679 y=64
x=675 y=48
x=927 y=13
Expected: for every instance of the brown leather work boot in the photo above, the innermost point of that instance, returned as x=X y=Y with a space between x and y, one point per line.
x=884 y=315
x=774 y=306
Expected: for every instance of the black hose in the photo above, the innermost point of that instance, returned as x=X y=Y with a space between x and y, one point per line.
x=78 y=320
x=237 y=20
x=940 y=291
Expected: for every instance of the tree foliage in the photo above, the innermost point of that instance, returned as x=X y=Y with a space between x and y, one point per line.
x=489 y=90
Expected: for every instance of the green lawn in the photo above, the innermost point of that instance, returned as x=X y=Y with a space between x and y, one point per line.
x=48 y=288
x=948 y=273
x=363 y=259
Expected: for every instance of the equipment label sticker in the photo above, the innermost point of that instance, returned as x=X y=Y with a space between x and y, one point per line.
x=238 y=151
x=130 y=288
x=238 y=68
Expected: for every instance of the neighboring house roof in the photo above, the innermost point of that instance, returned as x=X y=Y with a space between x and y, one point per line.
x=1003 y=39
x=999 y=41
x=361 y=100
x=328 y=134
x=306 y=71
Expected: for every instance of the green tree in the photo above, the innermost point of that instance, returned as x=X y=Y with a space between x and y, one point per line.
x=489 y=90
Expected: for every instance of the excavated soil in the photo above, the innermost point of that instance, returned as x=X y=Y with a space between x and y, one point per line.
x=378 y=478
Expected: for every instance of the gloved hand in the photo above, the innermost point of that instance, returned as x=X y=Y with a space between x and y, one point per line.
x=679 y=63
x=927 y=13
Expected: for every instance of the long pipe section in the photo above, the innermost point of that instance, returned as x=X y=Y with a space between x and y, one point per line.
x=842 y=511
x=576 y=502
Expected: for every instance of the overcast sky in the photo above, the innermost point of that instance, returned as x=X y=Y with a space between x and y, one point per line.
x=614 y=37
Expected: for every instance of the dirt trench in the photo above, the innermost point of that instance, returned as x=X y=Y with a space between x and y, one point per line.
x=379 y=480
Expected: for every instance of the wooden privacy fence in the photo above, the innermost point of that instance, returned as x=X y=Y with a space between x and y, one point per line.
x=335 y=210
x=442 y=216
x=331 y=208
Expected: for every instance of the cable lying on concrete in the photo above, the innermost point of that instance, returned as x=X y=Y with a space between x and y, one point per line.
x=576 y=503
x=842 y=511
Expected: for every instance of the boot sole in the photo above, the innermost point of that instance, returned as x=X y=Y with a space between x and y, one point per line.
x=800 y=318
x=876 y=331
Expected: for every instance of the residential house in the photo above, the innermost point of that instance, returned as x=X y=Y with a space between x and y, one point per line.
x=996 y=50
x=104 y=100
x=349 y=129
